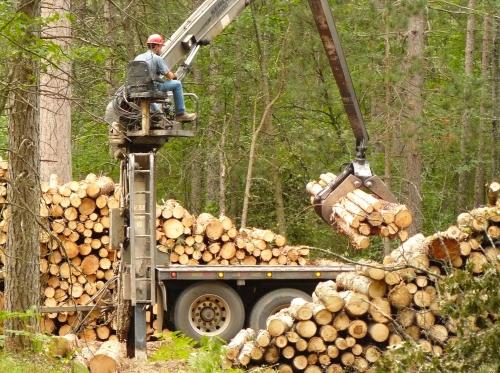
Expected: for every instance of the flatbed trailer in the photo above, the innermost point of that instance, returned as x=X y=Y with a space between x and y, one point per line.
x=219 y=300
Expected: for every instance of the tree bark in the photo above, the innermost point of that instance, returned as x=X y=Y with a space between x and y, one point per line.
x=55 y=96
x=495 y=124
x=22 y=289
x=268 y=127
x=479 y=184
x=413 y=87
x=212 y=166
x=465 y=135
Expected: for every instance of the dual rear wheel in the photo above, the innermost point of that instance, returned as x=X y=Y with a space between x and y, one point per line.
x=214 y=308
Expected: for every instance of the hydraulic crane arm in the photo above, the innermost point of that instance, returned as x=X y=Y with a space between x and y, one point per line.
x=212 y=16
x=328 y=32
x=206 y=22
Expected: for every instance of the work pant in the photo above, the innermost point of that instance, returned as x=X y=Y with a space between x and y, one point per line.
x=176 y=87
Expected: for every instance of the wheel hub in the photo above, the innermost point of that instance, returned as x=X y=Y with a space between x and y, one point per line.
x=209 y=314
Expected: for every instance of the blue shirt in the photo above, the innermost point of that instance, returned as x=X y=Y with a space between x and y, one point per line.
x=156 y=64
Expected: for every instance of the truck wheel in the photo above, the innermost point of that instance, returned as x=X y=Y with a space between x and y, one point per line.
x=271 y=303
x=209 y=309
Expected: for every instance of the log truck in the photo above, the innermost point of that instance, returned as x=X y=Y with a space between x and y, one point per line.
x=206 y=299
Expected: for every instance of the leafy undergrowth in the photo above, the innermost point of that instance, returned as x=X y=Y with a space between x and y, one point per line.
x=34 y=362
x=204 y=356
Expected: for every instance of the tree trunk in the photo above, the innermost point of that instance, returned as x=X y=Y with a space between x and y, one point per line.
x=55 y=98
x=212 y=166
x=22 y=288
x=269 y=129
x=110 y=16
x=389 y=125
x=479 y=185
x=235 y=135
x=223 y=168
x=413 y=114
x=465 y=135
x=495 y=130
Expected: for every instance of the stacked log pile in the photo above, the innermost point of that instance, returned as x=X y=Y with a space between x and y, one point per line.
x=352 y=321
x=77 y=266
x=206 y=239
x=360 y=215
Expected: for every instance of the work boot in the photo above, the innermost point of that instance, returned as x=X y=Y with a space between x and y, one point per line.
x=185 y=117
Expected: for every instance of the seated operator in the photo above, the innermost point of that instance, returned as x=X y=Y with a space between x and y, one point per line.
x=159 y=68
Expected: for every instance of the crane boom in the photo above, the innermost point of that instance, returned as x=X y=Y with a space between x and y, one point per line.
x=212 y=17
x=323 y=17
x=206 y=22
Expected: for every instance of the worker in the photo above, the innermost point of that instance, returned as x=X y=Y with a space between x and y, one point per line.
x=159 y=69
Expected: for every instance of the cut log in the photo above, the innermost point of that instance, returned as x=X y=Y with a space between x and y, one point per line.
x=399 y=296
x=355 y=304
x=413 y=252
x=347 y=358
x=341 y=321
x=281 y=341
x=326 y=293
x=371 y=353
x=425 y=319
x=341 y=344
x=279 y=323
x=361 y=284
x=357 y=240
x=316 y=344
x=422 y=298
x=357 y=329
x=438 y=333
x=379 y=332
x=306 y=328
x=478 y=261
x=321 y=315
x=300 y=362
x=371 y=269
x=406 y=317
x=173 y=228
x=245 y=355
x=380 y=310
x=328 y=333
x=106 y=359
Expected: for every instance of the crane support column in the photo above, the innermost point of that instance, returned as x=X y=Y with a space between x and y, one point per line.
x=141 y=201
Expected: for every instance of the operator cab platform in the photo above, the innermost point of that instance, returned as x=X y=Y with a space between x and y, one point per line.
x=146 y=117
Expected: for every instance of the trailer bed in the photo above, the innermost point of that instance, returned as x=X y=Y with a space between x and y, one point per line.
x=250 y=272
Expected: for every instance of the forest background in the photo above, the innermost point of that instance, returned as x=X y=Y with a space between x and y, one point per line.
x=426 y=74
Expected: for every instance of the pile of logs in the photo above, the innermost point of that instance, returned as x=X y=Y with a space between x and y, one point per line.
x=76 y=262
x=205 y=239
x=360 y=215
x=351 y=321
x=78 y=266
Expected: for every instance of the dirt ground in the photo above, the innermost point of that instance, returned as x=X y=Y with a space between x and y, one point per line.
x=135 y=366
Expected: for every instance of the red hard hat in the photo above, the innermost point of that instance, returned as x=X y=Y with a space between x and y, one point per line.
x=155 y=39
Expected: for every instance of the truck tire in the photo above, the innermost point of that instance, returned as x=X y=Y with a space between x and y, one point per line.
x=209 y=308
x=271 y=303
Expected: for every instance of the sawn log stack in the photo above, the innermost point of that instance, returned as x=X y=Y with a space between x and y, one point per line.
x=353 y=320
x=360 y=215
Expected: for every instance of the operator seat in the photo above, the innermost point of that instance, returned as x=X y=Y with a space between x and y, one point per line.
x=140 y=82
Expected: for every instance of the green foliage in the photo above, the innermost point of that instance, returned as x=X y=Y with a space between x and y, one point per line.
x=37 y=362
x=208 y=357
x=176 y=346
x=474 y=303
